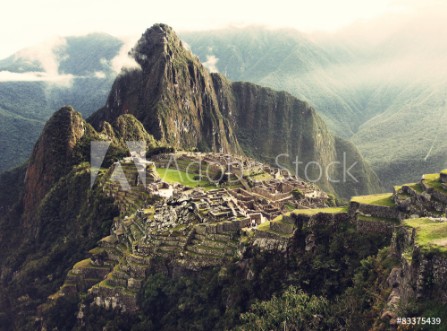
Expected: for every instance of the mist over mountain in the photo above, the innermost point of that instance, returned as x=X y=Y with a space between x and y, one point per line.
x=380 y=84
x=34 y=82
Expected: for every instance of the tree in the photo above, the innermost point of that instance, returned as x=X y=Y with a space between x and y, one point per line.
x=293 y=310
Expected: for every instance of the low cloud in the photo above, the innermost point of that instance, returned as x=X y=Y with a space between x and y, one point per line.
x=48 y=55
x=211 y=63
x=33 y=76
x=123 y=60
x=100 y=74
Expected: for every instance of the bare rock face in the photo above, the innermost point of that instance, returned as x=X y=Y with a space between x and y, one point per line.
x=172 y=95
x=52 y=157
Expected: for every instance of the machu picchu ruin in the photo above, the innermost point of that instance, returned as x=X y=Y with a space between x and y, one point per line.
x=198 y=226
x=198 y=221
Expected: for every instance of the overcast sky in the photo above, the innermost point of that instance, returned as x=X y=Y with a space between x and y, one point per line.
x=27 y=22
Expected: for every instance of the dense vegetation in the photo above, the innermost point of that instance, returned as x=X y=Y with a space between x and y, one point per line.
x=34 y=265
x=319 y=288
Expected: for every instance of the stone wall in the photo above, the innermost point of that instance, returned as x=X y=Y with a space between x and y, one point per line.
x=376 y=211
x=372 y=226
x=422 y=273
x=110 y=298
x=303 y=221
x=282 y=227
x=223 y=227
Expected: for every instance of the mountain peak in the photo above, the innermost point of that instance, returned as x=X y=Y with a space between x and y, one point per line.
x=174 y=96
x=52 y=155
x=157 y=40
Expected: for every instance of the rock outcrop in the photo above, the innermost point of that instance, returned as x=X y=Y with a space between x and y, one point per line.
x=173 y=96
x=52 y=157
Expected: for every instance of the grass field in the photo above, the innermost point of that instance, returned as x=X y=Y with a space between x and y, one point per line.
x=261 y=177
x=181 y=177
x=430 y=234
x=384 y=199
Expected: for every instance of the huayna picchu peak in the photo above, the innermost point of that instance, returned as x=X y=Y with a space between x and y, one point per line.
x=190 y=202
x=172 y=94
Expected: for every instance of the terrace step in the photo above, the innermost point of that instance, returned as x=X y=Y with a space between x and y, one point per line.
x=206 y=250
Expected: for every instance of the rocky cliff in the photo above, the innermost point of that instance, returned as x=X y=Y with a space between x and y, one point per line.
x=172 y=95
x=183 y=105
x=270 y=123
x=52 y=156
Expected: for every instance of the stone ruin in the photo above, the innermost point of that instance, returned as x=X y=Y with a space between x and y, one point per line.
x=195 y=227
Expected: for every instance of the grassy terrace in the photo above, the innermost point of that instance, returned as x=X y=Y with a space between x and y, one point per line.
x=308 y=212
x=414 y=186
x=430 y=234
x=97 y=250
x=311 y=212
x=265 y=227
x=261 y=177
x=181 y=177
x=433 y=181
x=384 y=199
x=83 y=264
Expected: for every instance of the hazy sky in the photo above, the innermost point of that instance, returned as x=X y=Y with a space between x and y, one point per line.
x=27 y=22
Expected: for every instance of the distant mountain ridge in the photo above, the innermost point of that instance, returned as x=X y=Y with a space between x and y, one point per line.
x=387 y=96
